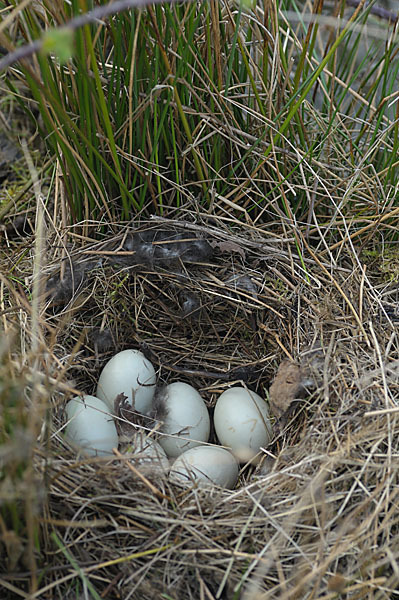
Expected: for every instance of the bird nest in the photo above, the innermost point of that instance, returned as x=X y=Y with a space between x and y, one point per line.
x=215 y=305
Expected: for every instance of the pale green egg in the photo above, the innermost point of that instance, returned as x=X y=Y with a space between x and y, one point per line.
x=90 y=427
x=129 y=372
x=205 y=466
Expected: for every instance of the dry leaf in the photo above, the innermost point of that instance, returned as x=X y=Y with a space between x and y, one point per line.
x=337 y=583
x=14 y=548
x=286 y=387
x=228 y=247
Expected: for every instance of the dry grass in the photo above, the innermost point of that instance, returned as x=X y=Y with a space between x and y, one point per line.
x=316 y=519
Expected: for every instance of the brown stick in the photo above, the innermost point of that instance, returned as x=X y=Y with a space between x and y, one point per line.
x=379 y=11
x=97 y=14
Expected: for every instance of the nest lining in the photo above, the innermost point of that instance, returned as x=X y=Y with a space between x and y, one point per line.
x=319 y=511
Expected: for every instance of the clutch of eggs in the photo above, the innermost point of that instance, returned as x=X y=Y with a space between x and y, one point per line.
x=129 y=372
x=241 y=420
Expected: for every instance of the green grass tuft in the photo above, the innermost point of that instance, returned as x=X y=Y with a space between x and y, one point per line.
x=205 y=102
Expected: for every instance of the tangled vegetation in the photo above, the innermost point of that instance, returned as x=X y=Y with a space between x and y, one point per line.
x=270 y=130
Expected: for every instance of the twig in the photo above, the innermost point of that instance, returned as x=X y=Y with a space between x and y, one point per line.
x=378 y=11
x=144 y=479
x=97 y=14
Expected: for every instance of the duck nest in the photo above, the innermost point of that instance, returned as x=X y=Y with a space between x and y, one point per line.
x=211 y=303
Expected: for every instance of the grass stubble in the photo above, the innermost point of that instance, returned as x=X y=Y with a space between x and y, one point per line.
x=301 y=179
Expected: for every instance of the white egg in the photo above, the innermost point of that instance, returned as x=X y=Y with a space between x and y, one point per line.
x=205 y=466
x=242 y=422
x=90 y=426
x=187 y=419
x=147 y=455
x=129 y=373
